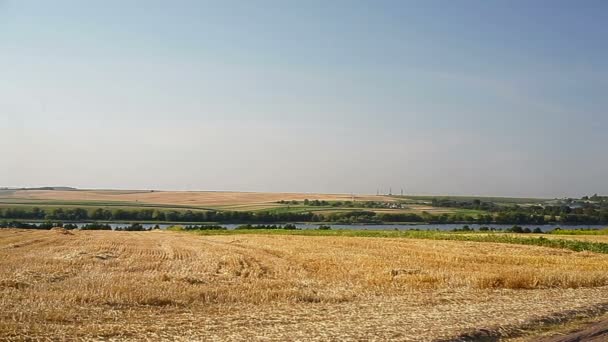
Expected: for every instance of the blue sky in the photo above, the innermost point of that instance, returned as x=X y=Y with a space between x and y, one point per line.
x=440 y=97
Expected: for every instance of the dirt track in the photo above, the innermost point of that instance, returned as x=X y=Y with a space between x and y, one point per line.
x=596 y=332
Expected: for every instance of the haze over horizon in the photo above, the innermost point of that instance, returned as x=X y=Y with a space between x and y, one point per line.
x=501 y=98
x=381 y=193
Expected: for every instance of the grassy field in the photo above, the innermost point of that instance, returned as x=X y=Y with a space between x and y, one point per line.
x=595 y=238
x=173 y=285
x=498 y=200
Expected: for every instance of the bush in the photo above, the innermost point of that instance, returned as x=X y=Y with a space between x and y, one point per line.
x=205 y=227
x=267 y=226
x=515 y=229
x=96 y=226
x=464 y=228
x=135 y=227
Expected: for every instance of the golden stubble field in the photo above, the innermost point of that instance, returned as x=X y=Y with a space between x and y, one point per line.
x=218 y=200
x=193 y=198
x=169 y=285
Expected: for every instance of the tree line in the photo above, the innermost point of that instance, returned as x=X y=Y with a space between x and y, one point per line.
x=342 y=204
x=584 y=211
x=69 y=226
x=101 y=214
x=591 y=214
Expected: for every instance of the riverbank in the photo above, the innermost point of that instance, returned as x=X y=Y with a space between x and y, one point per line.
x=333 y=225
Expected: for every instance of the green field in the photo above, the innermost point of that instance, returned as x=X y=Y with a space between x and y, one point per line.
x=497 y=200
x=28 y=204
x=176 y=206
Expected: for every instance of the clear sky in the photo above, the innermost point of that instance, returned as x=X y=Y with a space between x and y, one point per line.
x=438 y=97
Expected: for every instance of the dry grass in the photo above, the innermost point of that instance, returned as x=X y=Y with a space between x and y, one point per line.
x=136 y=285
x=587 y=238
x=561 y=329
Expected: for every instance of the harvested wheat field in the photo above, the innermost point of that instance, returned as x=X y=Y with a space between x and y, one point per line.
x=192 y=198
x=95 y=285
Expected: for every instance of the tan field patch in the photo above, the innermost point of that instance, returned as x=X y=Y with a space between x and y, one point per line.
x=191 y=198
x=250 y=207
x=431 y=210
x=154 y=285
x=413 y=210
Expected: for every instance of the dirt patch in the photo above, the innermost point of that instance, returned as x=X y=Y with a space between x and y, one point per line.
x=14 y=284
x=60 y=230
x=596 y=332
x=104 y=256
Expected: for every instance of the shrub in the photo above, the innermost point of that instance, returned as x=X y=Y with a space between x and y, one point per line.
x=263 y=226
x=205 y=227
x=464 y=228
x=96 y=226
x=135 y=227
x=515 y=229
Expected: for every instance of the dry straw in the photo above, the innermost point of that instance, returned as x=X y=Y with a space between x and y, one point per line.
x=134 y=285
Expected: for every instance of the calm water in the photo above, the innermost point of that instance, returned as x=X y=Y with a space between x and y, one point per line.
x=444 y=227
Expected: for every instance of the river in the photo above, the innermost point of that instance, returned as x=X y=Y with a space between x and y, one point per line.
x=441 y=227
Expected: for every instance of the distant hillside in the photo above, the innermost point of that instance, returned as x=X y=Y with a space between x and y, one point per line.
x=48 y=188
